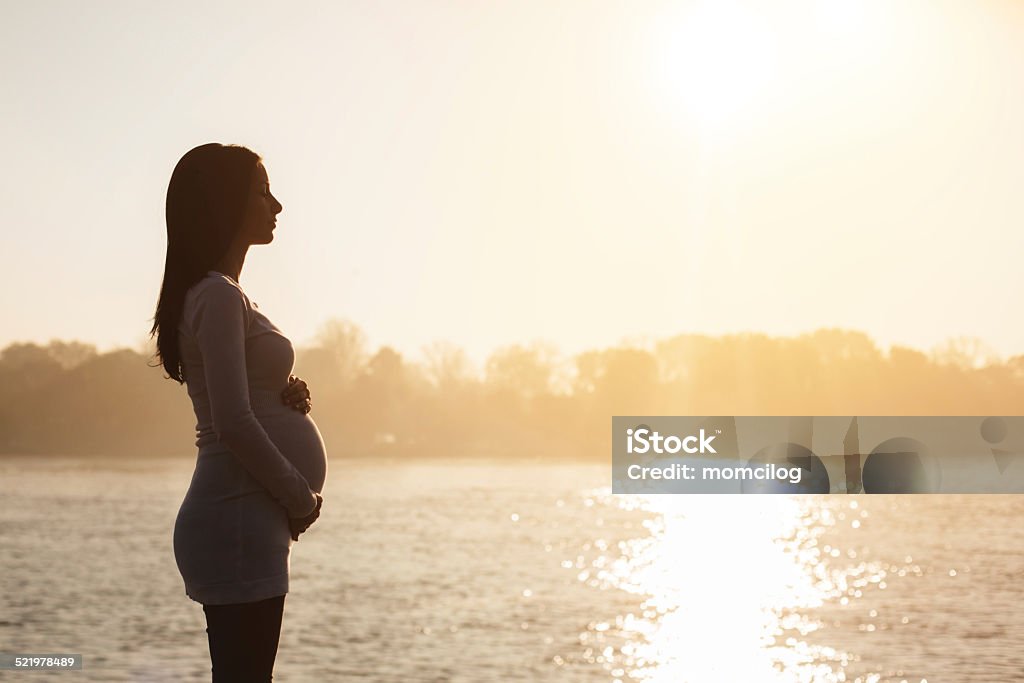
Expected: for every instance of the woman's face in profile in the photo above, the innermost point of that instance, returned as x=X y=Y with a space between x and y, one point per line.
x=261 y=212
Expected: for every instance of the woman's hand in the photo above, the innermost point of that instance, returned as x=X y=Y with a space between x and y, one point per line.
x=296 y=395
x=299 y=524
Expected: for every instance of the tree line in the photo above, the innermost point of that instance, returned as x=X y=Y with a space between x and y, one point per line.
x=528 y=400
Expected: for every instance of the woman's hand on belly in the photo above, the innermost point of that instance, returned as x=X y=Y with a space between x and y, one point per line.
x=297 y=395
x=299 y=524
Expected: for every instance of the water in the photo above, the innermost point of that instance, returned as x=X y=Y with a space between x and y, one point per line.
x=526 y=572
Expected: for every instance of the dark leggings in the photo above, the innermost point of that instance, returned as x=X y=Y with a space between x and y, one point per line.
x=243 y=639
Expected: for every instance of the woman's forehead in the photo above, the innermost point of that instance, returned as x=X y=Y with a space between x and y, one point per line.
x=261 y=174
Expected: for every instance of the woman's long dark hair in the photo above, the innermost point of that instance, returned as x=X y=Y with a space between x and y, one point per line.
x=206 y=201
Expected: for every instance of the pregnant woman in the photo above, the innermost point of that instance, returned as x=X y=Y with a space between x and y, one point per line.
x=261 y=462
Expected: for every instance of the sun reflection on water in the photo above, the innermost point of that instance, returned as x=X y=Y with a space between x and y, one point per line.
x=726 y=584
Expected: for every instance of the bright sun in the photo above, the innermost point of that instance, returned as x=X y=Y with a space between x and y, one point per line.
x=719 y=57
x=720 y=60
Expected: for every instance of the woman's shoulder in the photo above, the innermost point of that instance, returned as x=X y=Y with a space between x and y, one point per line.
x=215 y=289
x=214 y=282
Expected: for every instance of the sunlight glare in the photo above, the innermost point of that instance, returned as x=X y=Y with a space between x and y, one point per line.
x=738 y=585
x=719 y=57
x=841 y=17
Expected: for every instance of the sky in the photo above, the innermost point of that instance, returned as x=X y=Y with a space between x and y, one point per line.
x=488 y=173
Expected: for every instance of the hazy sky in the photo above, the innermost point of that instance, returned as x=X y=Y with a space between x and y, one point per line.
x=498 y=172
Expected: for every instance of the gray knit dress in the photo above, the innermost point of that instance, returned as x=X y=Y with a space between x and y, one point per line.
x=259 y=461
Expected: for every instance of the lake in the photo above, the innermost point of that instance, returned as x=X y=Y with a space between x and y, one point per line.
x=526 y=571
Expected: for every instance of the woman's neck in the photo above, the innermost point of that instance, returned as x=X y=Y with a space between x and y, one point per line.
x=231 y=263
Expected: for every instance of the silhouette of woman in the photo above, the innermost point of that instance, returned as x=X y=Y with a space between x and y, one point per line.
x=261 y=462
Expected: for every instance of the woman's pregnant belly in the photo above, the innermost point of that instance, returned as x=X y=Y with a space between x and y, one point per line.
x=297 y=437
x=220 y=476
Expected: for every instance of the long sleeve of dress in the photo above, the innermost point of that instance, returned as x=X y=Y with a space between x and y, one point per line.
x=219 y=324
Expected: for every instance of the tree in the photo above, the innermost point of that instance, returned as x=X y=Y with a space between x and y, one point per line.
x=341 y=354
x=447 y=366
x=964 y=352
x=526 y=371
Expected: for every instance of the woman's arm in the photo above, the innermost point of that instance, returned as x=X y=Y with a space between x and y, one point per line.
x=219 y=322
